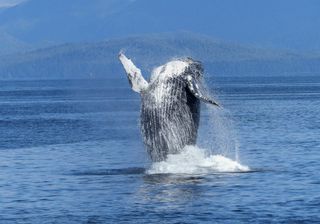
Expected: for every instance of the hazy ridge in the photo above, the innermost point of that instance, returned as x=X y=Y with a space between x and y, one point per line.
x=99 y=60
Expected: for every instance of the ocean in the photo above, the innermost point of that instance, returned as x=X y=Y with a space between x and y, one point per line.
x=71 y=152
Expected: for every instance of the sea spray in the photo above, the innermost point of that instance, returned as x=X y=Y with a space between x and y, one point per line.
x=218 y=151
x=195 y=160
x=217 y=133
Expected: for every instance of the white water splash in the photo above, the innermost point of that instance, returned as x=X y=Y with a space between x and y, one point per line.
x=217 y=133
x=194 y=160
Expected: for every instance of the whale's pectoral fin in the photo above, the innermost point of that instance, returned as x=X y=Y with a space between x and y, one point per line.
x=197 y=89
x=136 y=80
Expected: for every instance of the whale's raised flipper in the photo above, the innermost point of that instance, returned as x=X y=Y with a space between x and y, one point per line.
x=197 y=89
x=136 y=80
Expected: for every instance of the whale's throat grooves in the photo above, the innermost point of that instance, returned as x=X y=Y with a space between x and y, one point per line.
x=170 y=108
x=169 y=117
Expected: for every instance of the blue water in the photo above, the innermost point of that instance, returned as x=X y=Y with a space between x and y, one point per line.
x=71 y=152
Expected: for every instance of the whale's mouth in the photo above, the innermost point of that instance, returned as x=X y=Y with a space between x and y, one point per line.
x=194 y=160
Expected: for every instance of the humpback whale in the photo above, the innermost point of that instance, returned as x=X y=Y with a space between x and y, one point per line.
x=170 y=104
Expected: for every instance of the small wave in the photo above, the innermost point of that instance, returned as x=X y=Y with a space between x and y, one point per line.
x=194 y=160
x=123 y=171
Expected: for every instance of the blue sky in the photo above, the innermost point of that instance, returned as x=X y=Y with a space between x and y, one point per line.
x=286 y=24
x=9 y=3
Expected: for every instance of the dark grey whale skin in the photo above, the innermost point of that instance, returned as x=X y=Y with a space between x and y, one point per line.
x=170 y=105
x=168 y=126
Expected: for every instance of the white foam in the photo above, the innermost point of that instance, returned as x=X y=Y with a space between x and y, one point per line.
x=194 y=160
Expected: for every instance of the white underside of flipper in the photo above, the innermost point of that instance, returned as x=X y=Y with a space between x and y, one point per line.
x=138 y=83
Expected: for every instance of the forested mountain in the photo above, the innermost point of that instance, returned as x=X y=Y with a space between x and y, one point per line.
x=99 y=60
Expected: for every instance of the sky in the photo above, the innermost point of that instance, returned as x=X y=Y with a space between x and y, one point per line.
x=9 y=3
x=285 y=24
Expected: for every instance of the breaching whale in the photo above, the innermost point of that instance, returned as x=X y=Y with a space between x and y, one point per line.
x=170 y=104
